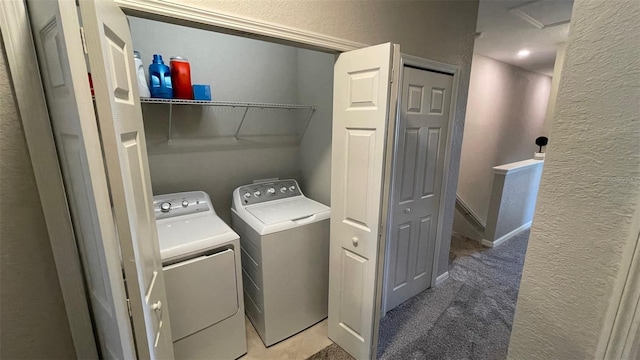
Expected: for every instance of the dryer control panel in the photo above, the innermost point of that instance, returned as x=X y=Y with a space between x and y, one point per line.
x=178 y=204
x=268 y=191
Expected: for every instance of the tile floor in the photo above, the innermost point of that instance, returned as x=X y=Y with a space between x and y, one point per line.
x=297 y=347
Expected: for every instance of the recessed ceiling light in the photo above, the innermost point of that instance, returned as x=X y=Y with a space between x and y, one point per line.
x=523 y=53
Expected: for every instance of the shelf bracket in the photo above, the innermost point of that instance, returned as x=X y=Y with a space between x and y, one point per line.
x=306 y=122
x=244 y=115
x=170 y=127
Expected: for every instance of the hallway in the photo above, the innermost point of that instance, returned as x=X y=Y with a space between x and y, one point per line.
x=469 y=316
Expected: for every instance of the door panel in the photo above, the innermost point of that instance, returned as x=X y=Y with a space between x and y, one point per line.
x=353 y=285
x=424 y=233
x=64 y=73
x=433 y=154
x=417 y=181
x=120 y=118
x=360 y=119
x=402 y=252
x=359 y=165
x=409 y=164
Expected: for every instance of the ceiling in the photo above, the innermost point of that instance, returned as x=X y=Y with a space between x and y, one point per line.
x=508 y=26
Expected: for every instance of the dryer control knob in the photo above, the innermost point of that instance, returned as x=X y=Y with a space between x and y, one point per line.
x=271 y=191
x=257 y=193
x=292 y=188
x=283 y=189
x=247 y=195
x=185 y=203
x=165 y=206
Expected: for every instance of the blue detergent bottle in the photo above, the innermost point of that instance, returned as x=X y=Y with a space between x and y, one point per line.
x=160 y=79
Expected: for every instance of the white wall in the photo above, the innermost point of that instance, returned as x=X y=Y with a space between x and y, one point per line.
x=32 y=314
x=553 y=94
x=315 y=86
x=505 y=114
x=238 y=69
x=590 y=189
x=513 y=200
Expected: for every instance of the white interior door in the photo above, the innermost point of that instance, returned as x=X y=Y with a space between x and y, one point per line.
x=362 y=90
x=417 y=182
x=64 y=74
x=110 y=51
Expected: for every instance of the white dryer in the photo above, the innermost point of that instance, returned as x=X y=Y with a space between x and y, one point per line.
x=201 y=265
x=284 y=238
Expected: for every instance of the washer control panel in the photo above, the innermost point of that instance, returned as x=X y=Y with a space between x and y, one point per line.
x=171 y=205
x=267 y=191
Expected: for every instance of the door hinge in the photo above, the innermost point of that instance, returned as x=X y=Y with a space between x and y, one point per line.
x=84 y=42
x=129 y=308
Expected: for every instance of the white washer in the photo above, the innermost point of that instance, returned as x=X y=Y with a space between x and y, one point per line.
x=201 y=265
x=285 y=257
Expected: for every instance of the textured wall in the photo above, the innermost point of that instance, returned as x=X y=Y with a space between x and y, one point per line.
x=505 y=114
x=437 y=30
x=33 y=318
x=589 y=190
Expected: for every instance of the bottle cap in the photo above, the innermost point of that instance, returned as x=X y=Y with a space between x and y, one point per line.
x=179 y=58
x=157 y=59
x=136 y=54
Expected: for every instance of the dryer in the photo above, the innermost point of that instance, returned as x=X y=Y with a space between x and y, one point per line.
x=201 y=265
x=284 y=238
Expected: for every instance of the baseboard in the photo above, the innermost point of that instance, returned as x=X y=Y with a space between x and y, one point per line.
x=442 y=278
x=506 y=237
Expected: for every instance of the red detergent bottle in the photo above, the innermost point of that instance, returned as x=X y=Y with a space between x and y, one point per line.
x=181 y=78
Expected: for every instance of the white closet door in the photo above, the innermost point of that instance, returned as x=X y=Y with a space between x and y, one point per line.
x=417 y=182
x=362 y=91
x=110 y=51
x=64 y=73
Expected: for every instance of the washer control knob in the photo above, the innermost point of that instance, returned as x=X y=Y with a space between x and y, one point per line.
x=257 y=193
x=247 y=195
x=185 y=203
x=165 y=206
x=271 y=191
x=292 y=188
x=283 y=189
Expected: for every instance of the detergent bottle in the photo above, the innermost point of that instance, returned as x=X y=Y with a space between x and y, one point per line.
x=181 y=78
x=160 y=78
x=143 y=88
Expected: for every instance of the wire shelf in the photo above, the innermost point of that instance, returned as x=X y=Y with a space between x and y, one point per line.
x=311 y=109
x=226 y=104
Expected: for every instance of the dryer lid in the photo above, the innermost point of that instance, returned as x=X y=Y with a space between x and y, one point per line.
x=186 y=235
x=278 y=211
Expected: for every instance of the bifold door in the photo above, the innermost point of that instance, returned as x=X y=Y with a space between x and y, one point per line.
x=64 y=76
x=61 y=56
x=361 y=108
x=417 y=182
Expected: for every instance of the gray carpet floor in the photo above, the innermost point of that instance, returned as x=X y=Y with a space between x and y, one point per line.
x=469 y=316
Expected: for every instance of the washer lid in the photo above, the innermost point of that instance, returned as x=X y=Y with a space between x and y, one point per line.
x=278 y=211
x=185 y=235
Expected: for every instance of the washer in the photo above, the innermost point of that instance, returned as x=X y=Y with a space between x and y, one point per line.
x=201 y=264
x=284 y=238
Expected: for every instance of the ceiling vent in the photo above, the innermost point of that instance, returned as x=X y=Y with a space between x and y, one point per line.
x=544 y=14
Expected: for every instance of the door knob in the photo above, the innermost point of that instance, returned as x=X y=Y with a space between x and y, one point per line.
x=157 y=306
x=407 y=210
x=354 y=240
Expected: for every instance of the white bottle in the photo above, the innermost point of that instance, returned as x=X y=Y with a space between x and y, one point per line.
x=143 y=88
